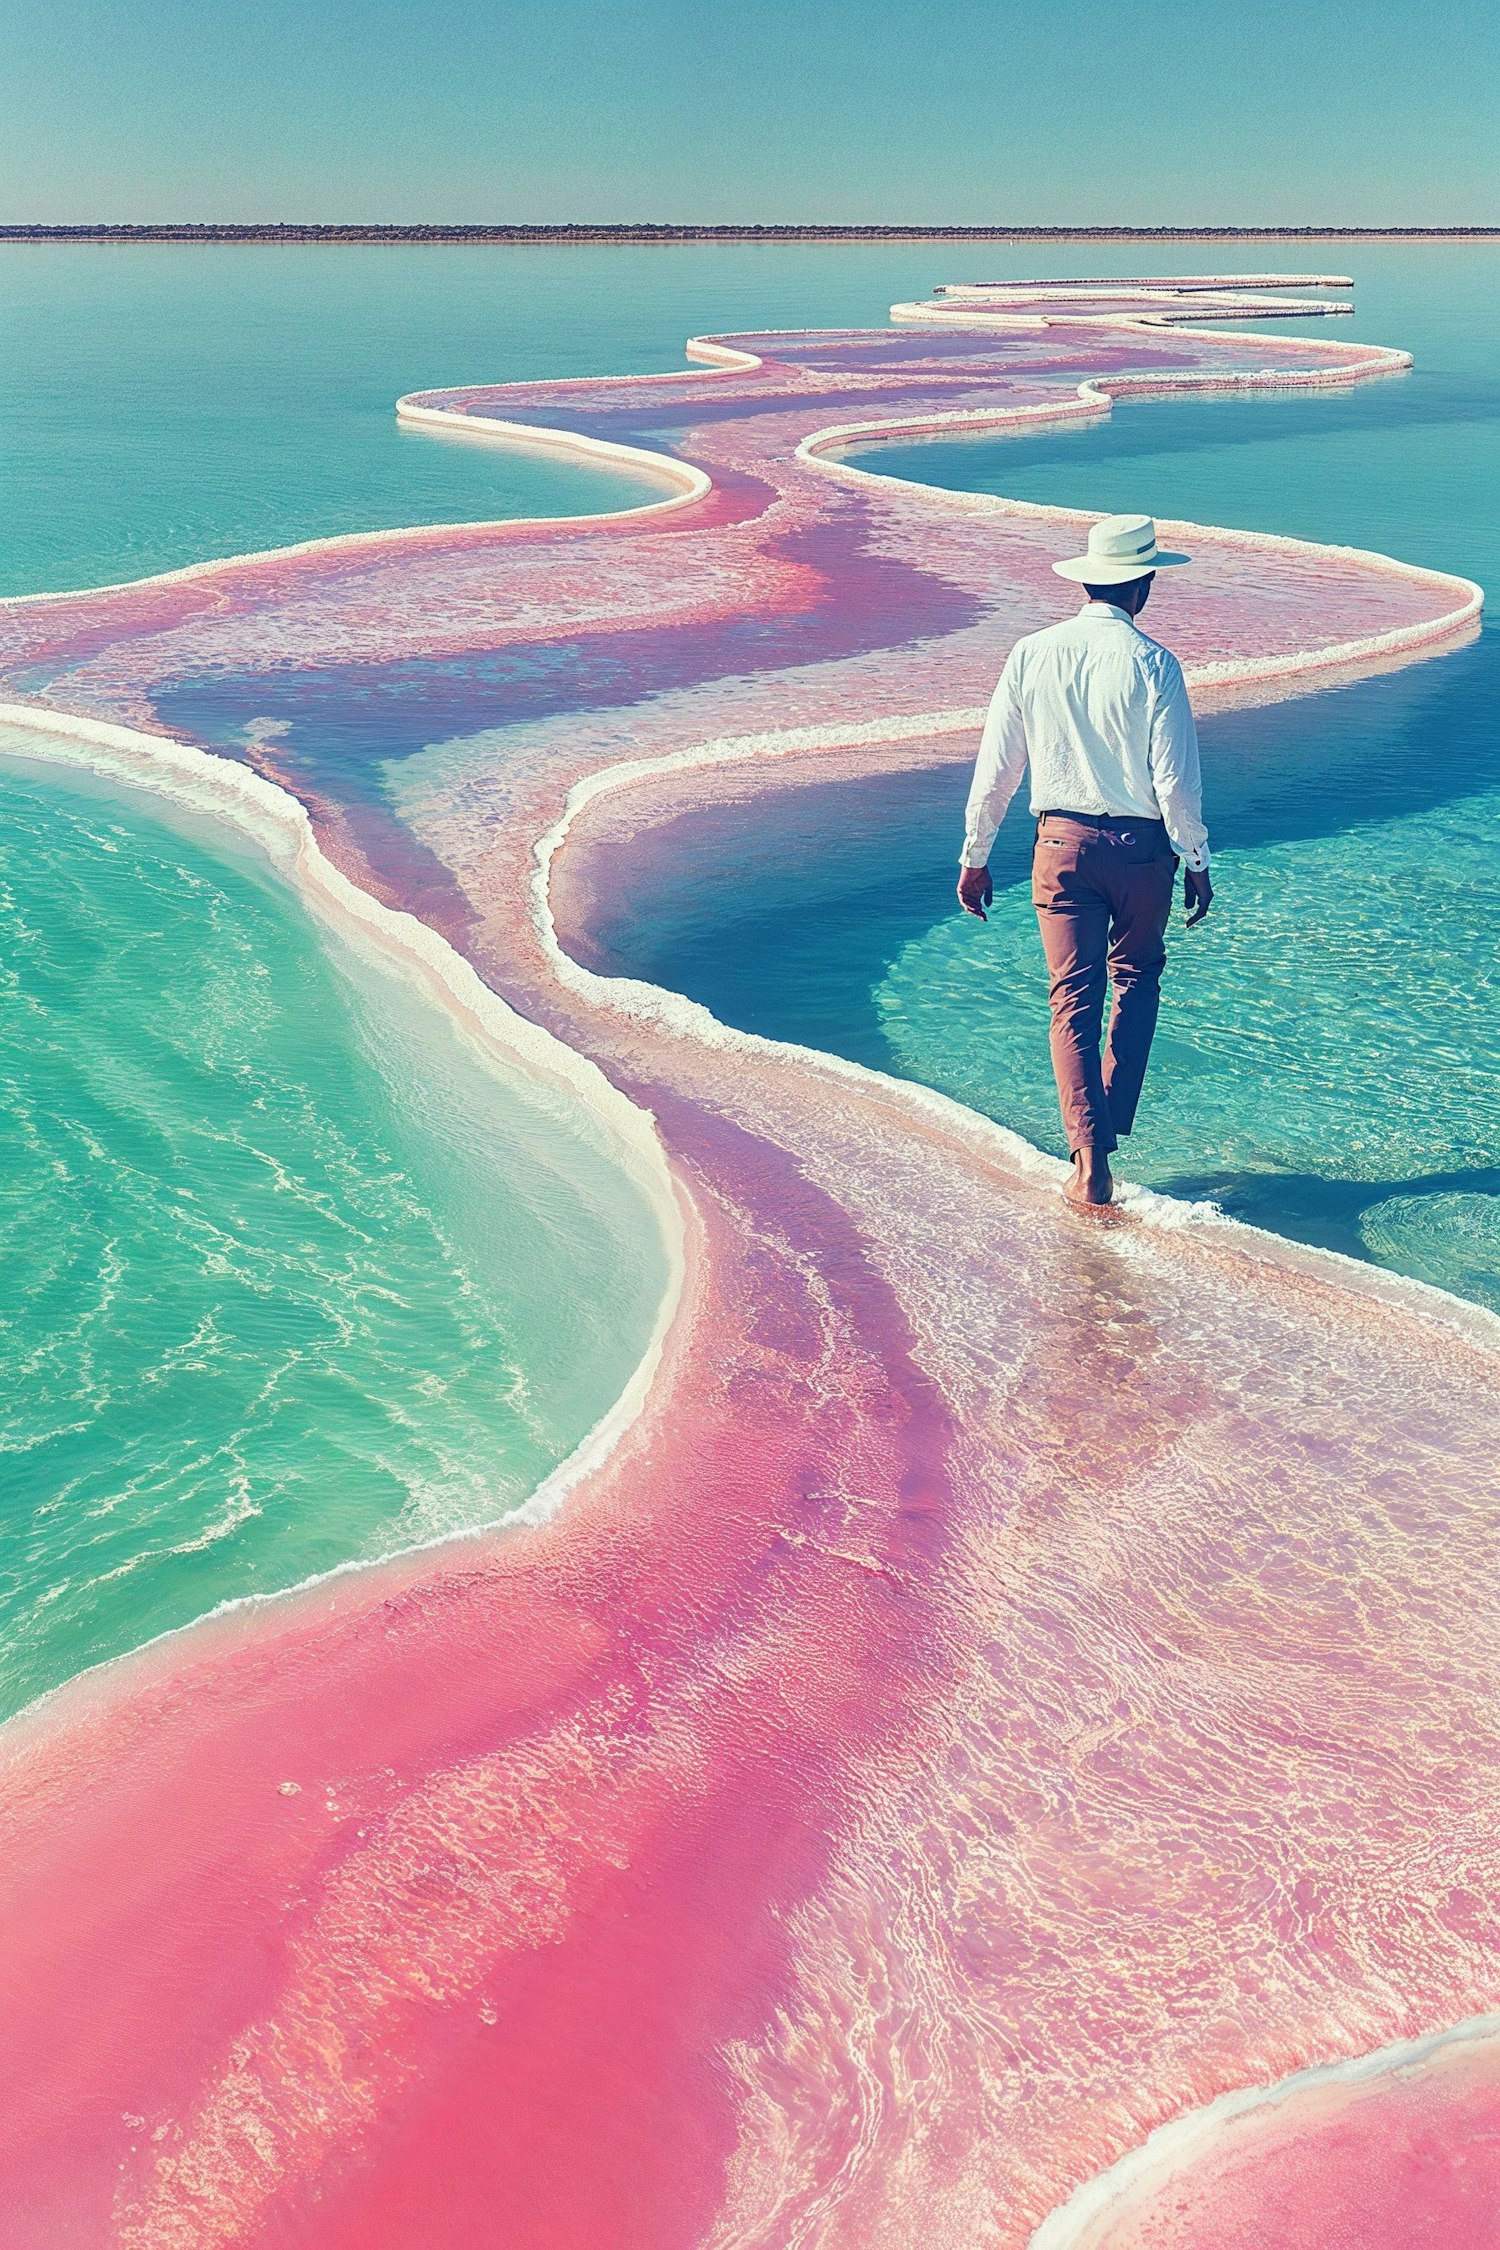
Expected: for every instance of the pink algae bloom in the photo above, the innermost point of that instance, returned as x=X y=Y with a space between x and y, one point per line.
x=1013 y=1683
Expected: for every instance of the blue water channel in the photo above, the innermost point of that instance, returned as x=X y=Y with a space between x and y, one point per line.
x=282 y=1261
x=1330 y=1053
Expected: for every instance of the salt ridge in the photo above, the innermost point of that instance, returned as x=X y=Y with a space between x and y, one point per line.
x=295 y=2136
x=278 y=823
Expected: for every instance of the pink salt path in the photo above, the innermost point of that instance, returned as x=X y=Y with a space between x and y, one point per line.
x=1016 y=1681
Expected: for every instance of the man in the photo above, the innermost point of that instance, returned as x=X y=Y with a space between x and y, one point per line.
x=1102 y=713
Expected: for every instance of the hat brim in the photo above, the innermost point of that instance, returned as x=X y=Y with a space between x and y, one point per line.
x=1098 y=570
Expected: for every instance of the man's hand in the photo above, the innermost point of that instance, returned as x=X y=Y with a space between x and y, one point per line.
x=1197 y=894
x=975 y=891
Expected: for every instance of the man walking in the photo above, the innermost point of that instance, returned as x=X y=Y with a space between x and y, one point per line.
x=1102 y=713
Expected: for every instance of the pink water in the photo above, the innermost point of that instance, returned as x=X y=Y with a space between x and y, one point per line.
x=1018 y=1680
x=1410 y=2156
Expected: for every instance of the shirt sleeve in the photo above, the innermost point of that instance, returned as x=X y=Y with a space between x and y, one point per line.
x=998 y=768
x=1175 y=773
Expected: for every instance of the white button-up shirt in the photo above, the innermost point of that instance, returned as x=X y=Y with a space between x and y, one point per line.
x=1102 y=713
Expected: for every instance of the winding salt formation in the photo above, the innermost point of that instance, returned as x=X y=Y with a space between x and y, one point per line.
x=1133 y=298
x=1012 y=1682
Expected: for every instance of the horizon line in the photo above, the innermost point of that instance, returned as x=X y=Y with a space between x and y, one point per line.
x=647 y=231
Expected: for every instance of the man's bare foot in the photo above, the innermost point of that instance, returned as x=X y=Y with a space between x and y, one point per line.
x=1092 y=1182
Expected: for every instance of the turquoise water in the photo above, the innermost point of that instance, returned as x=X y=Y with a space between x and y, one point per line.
x=291 y=1276
x=1409 y=464
x=273 y=1237
x=1330 y=1050
x=163 y=404
x=166 y=403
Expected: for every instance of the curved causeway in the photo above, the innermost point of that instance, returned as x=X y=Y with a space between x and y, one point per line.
x=1000 y=1685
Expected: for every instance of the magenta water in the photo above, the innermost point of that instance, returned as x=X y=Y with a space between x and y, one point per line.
x=1006 y=1682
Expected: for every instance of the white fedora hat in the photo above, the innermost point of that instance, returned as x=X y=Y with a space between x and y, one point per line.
x=1120 y=548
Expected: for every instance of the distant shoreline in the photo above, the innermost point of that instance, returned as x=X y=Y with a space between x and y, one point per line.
x=280 y=232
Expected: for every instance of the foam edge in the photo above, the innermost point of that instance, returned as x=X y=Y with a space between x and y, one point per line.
x=993 y=1145
x=279 y=824
x=1181 y=2139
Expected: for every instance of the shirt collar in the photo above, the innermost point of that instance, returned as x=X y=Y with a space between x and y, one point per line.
x=1105 y=613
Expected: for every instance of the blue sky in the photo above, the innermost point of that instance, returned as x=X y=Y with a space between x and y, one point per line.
x=1067 y=110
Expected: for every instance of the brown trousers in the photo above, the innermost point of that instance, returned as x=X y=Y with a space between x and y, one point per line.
x=1102 y=889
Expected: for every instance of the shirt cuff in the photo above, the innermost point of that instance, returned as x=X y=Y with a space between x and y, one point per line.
x=1197 y=859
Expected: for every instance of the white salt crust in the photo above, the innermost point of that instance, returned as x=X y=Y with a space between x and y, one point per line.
x=980 y=303
x=1229 y=284
x=1095 y=396
x=1174 y=2144
x=685 y=483
x=278 y=823
x=1074 y=2225
x=992 y=1144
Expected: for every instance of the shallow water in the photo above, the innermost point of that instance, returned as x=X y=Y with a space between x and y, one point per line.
x=960 y=1731
x=1325 y=1058
x=292 y=1277
x=1328 y=1053
x=162 y=404
x=165 y=405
